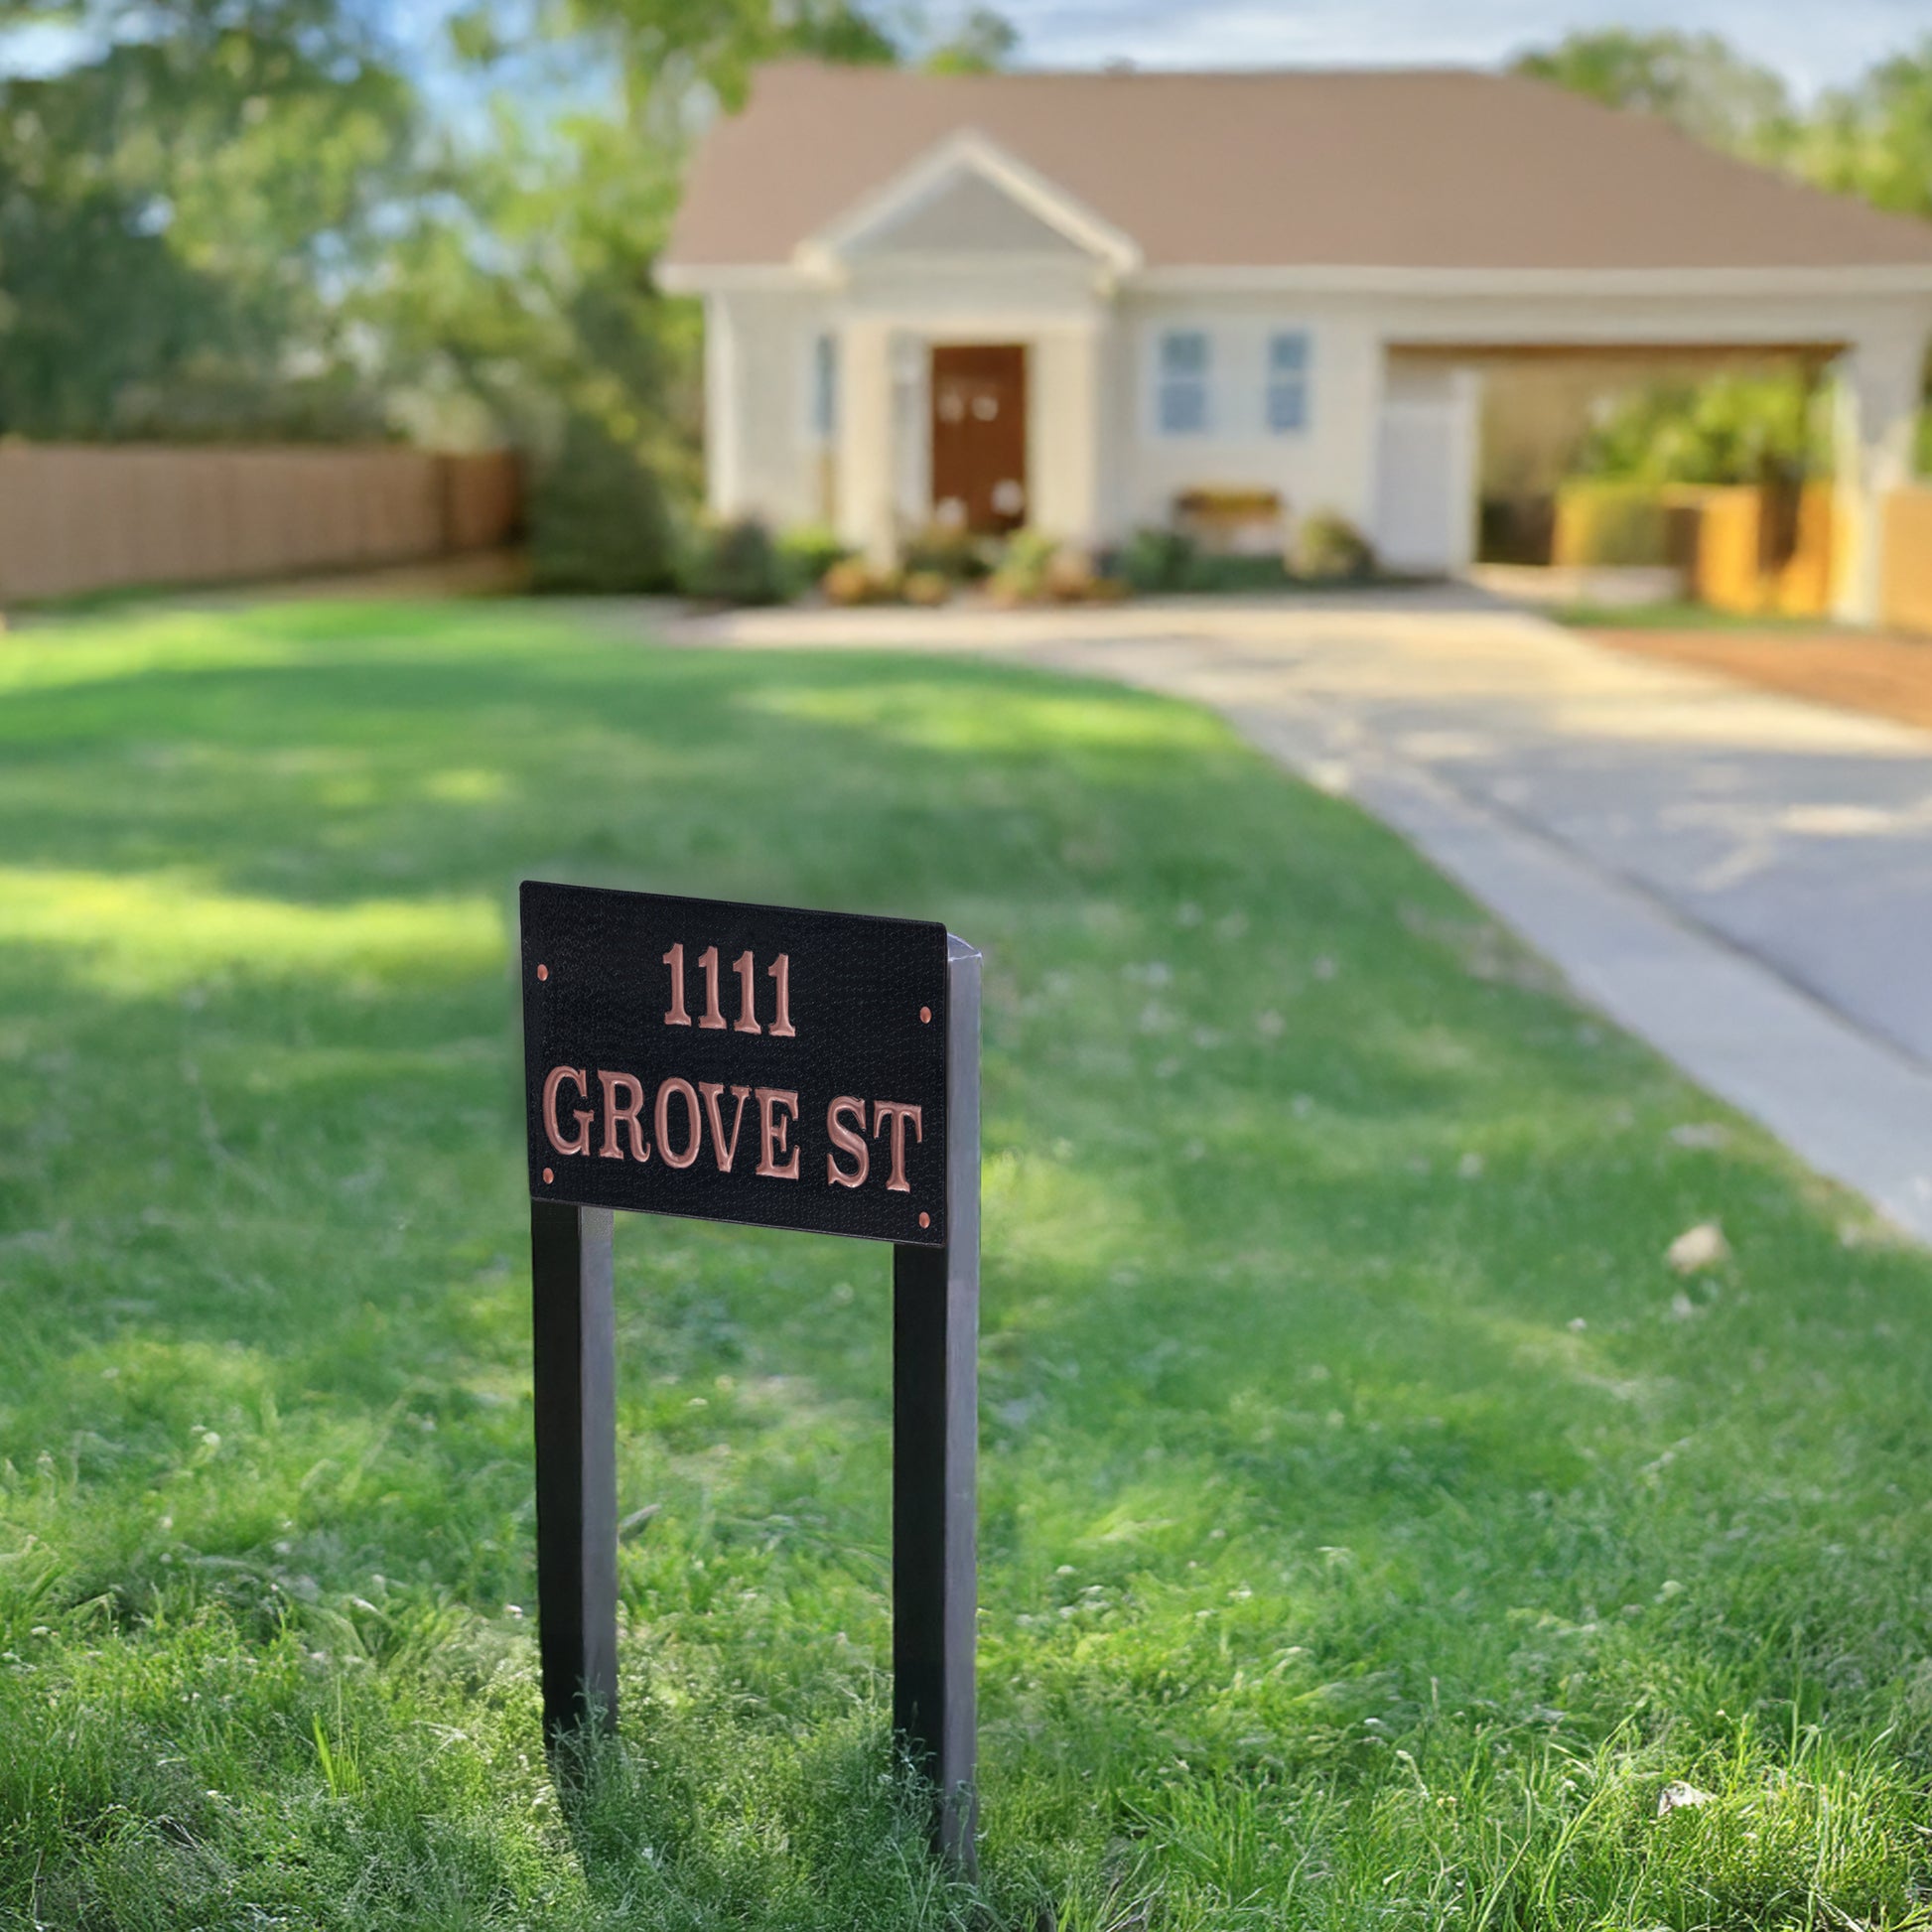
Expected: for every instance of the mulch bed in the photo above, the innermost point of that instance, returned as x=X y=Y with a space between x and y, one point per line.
x=1890 y=676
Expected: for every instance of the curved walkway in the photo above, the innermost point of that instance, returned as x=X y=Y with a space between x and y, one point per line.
x=1742 y=880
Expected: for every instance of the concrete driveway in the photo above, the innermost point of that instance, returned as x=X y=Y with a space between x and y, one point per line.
x=1742 y=878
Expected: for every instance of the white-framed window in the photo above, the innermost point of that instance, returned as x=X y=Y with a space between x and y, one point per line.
x=823 y=377
x=1287 y=402
x=1181 y=376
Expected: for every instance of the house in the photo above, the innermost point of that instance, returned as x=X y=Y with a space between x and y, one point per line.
x=1070 y=298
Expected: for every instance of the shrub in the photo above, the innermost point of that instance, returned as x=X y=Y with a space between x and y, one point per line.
x=599 y=522
x=953 y=553
x=1232 y=574
x=927 y=587
x=847 y=582
x=736 y=563
x=1157 y=559
x=856 y=581
x=1021 y=577
x=1068 y=577
x=808 y=551
x=1328 y=547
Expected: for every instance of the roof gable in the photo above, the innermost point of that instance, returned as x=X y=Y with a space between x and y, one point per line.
x=967 y=198
x=1417 y=169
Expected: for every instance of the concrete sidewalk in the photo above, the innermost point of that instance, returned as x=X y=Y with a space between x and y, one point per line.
x=1741 y=880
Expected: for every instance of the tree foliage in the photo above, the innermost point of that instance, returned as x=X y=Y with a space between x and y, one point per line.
x=1696 y=81
x=1874 y=139
x=982 y=42
x=1729 y=429
x=179 y=212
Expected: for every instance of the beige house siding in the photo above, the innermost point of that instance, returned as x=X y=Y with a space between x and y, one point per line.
x=760 y=453
x=1327 y=465
x=1099 y=466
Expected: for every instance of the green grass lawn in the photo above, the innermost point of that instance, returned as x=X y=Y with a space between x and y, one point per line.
x=1686 y=615
x=1373 y=1524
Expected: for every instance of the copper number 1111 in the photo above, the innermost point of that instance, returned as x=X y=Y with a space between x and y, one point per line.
x=713 y=1016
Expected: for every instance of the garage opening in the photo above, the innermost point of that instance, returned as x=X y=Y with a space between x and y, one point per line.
x=1654 y=471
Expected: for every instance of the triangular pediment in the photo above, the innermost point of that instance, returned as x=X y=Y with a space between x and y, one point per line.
x=967 y=215
x=969 y=198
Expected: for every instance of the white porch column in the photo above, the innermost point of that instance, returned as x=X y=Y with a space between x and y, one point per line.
x=911 y=431
x=1876 y=411
x=1066 y=394
x=724 y=456
x=866 y=461
x=1465 y=467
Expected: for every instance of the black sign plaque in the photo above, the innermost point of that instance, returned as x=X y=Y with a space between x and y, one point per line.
x=785 y=1068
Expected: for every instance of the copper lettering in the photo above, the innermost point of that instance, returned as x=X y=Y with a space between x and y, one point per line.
x=713 y=1016
x=552 y=1081
x=780 y=970
x=634 y=1099
x=898 y=1113
x=725 y=1152
x=847 y=1140
x=747 y=1006
x=777 y=1108
x=674 y=959
x=660 y=1119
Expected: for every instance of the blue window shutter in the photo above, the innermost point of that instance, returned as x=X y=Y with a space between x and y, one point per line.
x=1180 y=395
x=1287 y=381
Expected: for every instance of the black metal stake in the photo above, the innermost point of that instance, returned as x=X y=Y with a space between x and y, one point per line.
x=935 y=1454
x=574 y=1331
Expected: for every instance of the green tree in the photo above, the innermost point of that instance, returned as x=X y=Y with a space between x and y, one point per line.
x=1728 y=429
x=1696 y=81
x=674 y=59
x=182 y=213
x=983 y=43
x=1875 y=138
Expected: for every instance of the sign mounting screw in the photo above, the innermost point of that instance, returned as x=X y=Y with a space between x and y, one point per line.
x=925 y=1219
x=548 y=1176
x=543 y=972
x=925 y=1015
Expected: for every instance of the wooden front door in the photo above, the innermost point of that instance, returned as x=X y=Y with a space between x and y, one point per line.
x=979 y=435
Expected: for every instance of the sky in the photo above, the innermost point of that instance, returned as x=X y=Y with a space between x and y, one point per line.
x=1813 y=43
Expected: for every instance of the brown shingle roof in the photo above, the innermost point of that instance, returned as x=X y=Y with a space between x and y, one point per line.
x=1425 y=169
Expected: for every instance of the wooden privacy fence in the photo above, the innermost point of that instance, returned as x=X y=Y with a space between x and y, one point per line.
x=1757 y=552
x=1906 y=595
x=77 y=518
x=1739 y=547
